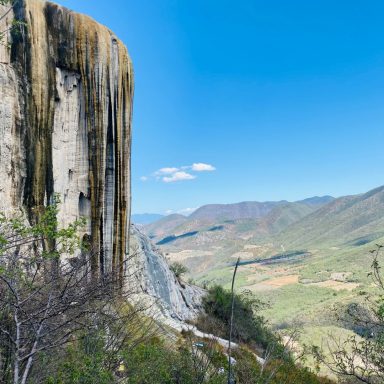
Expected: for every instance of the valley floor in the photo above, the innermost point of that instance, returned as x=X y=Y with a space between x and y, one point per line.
x=306 y=294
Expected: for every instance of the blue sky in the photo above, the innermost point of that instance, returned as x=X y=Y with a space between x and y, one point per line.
x=284 y=99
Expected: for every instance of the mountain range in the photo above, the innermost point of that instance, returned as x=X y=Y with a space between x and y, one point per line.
x=215 y=233
x=246 y=219
x=355 y=219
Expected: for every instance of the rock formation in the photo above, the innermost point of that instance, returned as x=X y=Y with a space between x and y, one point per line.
x=66 y=89
x=157 y=286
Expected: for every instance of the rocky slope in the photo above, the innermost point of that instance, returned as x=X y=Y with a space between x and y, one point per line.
x=155 y=285
x=66 y=90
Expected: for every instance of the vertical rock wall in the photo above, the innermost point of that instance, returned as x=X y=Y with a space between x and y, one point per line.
x=65 y=109
x=11 y=149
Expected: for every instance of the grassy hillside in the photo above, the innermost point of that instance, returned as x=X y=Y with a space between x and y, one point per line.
x=241 y=220
x=243 y=210
x=350 y=219
x=165 y=226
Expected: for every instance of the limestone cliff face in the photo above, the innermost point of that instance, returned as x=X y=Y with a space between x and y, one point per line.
x=157 y=286
x=66 y=89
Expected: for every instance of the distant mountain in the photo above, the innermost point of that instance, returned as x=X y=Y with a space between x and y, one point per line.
x=165 y=226
x=146 y=218
x=317 y=201
x=243 y=210
x=188 y=231
x=285 y=215
x=215 y=222
x=249 y=209
x=346 y=219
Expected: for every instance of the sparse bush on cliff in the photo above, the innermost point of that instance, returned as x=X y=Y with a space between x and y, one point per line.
x=178 y=269
x=9 y=27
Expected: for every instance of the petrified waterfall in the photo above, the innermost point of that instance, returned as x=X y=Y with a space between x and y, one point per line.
x=66 y=87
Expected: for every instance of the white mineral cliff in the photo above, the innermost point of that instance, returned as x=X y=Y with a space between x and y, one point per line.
x=66 y=89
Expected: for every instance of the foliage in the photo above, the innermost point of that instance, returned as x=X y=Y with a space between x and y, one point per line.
x=255 y=338
x=14 y=26
x=248 y=327
x=277 y=371
x=178 y=269
x=152 y=362
x=156 y=362
x=82 y=362
x=49 y=296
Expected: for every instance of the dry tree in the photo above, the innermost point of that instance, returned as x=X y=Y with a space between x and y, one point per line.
x=48 y=298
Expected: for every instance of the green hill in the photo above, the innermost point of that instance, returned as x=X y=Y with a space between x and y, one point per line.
x=347 y=220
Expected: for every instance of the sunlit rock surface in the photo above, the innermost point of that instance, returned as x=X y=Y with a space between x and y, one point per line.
x=156 y=285
x=66 y=89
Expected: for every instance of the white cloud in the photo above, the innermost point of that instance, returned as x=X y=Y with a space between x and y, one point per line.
x=178 y=176
x=202 y=167
x=186 y=211
x=172 y=174
x=166 y=171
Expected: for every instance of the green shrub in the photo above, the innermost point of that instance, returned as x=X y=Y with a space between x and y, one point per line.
x=178 y=269
x=150 y=362
x=248 y=326
x=84 y=362
x=277 y=371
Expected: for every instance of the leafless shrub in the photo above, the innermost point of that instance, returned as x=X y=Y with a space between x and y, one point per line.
x=47 y=300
